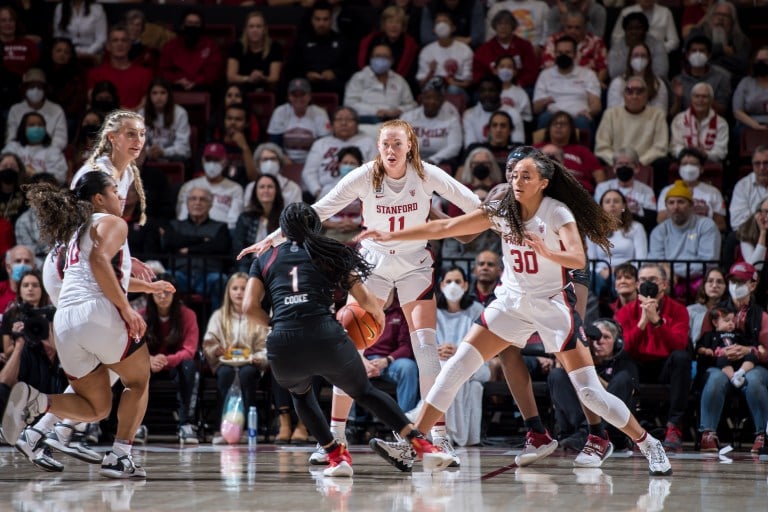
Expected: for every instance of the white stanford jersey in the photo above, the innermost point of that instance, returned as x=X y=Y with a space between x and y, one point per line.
x=104 y=164
x=397 y=204
x=525 y=272
x=79 y=283
x=321 y=169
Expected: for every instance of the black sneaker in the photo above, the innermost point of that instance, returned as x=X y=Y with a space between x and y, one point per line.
x=121 y=467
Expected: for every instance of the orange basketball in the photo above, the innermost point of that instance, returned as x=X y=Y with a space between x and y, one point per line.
x=360 y=325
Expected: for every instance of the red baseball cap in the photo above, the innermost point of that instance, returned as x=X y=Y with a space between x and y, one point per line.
x=215 y=150
x=743 y=271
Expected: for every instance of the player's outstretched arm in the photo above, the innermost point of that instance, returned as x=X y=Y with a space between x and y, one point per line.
x=468 y=224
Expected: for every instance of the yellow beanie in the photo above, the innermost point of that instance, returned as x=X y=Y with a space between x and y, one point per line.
x=680 y=189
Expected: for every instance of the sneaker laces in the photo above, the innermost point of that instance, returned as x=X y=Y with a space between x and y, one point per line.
x=592 y=447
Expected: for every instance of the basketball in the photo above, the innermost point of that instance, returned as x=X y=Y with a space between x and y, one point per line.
x=360 y=325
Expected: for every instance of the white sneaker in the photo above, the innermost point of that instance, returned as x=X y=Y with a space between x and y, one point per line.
x=658 y=463
x=188 y=435
x=738 y=379
x=67 y=439
x=399 y=453
x=121 y=467
x=31 y=444
x=318 y=457
x=25 y=403
x=537 y=446
x=445 y=445
x=595 y=451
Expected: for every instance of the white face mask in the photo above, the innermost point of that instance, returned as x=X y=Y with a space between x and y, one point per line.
x=442 y=30
x=35 y=94
x=213 y=169
x=638 y=64
x=698 y=59
x=270 y=167
x=453 y=292
x=506 y=74
x=738 y=291
x=689 y=172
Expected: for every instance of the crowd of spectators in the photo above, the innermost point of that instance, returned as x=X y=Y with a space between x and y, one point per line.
x=659 y=112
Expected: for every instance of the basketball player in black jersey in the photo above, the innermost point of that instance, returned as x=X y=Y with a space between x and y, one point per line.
x=297 y=280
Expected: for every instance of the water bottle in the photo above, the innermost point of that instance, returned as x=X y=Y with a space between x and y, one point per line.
x=253 y=425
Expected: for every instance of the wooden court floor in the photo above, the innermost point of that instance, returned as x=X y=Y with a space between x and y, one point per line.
x=271 y=478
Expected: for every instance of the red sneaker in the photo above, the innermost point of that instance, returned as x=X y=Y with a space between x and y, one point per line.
x=339 y=462
x=759 y=443
x=709 y=442
x=433 y=457
x=536 y=447
x=673 y=439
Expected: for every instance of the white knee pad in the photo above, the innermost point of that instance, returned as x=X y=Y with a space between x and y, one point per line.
x=459 y=368
x=594 y=396
x=337 y=391
x=424 y=343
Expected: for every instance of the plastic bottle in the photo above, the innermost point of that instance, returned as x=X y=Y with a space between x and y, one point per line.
x=253 y=425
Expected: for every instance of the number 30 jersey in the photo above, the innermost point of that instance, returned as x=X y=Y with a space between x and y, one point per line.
x=526 y=272
x=397 y=204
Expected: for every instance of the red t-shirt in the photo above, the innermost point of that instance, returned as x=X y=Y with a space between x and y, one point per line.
x=131 y=83
x=19 y=55
x=6 y=295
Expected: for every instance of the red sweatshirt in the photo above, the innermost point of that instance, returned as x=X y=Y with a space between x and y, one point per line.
x=520 y=49
x=654 y=342
x=190 y=335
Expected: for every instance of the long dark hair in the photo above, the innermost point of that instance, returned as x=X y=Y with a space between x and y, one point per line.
x=257 y=209
x=44 y=298
x=151 y=113
x=342 y=264
x=66 y=12
x=572 y=139
x=21 y=131
x=466 y=299
x=61 y=212
x=155 y=339
x=626 y=218
x=592 y=221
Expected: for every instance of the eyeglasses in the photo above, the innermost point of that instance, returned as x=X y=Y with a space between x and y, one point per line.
x=634 y=90
x=561 y=124
x=760 y=163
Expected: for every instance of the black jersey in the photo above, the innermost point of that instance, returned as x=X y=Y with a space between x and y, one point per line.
x=294 y=287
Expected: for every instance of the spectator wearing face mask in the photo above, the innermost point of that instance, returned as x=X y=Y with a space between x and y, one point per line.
x=698 y=68
x=446 y=58
x=512 y=95
x=191 y=60
x=707 y=200
x=32 y=144
x=270 y=159
x=346 y=224
x=18 y=259
x=34 y=87
x=227 y=195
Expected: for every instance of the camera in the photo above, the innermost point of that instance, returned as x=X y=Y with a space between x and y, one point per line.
x=36 y=322
x=649 y=289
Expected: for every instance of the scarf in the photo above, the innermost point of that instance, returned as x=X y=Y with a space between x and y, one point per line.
x=693 y=136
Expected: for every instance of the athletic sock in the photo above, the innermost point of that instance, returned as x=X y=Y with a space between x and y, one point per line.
x=642 y=441
x=339 y=428
x=534 y=423
x=439 y=430
x=122 y=447
x=47 y=422
x=598 y=430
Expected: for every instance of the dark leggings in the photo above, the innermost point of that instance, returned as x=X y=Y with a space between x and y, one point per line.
x=298 y=352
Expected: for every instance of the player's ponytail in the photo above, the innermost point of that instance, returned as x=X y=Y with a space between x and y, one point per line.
x=340 y=263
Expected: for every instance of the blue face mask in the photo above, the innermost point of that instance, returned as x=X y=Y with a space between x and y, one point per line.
x=35 y=134
x=380 y=65
x=345 y=169
x=18 y=269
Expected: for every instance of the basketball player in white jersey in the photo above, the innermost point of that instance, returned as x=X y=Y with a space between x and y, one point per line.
x=539 y=221
x=96 y=329
x=120 y=142
x=396 y=191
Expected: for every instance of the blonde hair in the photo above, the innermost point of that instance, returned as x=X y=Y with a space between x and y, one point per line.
x=413 y=157
x=228 y=309
x=266 y=40
x=394 y=12
x=112 y=124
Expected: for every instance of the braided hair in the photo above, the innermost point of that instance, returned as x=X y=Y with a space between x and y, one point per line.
x=341 y=263
x=592 y=220
x=60 y=212
x=112 y=124
x=413 y=157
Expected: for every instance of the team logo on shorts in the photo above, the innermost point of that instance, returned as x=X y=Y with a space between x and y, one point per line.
x=583 y=336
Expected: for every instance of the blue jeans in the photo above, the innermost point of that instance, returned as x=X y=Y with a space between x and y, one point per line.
x=716 y=390
x=405 y=374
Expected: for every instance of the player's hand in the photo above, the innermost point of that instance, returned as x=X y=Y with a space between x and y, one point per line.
x=162 y=286
x=141 y=270
x=258 y=248
x=135 y=323
x=536 y=243
x=372 y=234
